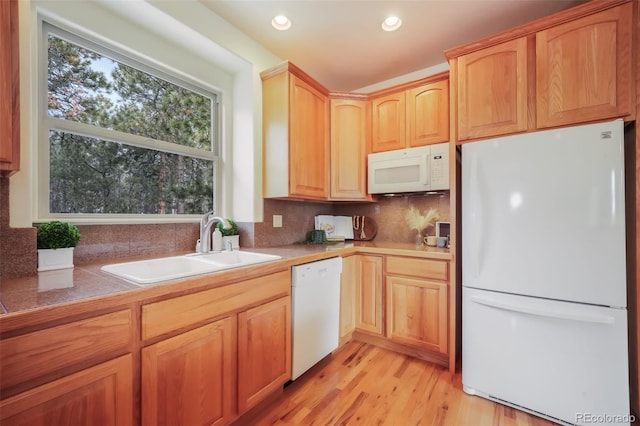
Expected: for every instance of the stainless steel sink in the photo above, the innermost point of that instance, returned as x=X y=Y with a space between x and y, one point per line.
x=146 y=272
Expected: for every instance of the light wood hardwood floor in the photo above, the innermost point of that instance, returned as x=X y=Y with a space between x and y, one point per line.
x=361 y=384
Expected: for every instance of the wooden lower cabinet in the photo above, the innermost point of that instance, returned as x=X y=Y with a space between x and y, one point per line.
x=369 y=293
x=99 y=395
x=348 y=298
x=264 y=351
x=189 y=379
x=417 y=312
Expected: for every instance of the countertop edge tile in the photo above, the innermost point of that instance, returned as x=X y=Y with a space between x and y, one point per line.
x=87 y=283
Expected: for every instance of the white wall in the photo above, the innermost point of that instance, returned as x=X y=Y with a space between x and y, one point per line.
x=416 y=75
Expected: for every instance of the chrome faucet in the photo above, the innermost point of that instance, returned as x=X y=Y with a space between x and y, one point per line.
x=206 y=223
x=228 y=245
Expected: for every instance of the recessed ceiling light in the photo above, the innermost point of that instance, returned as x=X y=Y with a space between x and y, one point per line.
x=281 y=23
x=392 y=23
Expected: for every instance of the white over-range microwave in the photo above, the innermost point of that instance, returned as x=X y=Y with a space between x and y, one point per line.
x=420 y=169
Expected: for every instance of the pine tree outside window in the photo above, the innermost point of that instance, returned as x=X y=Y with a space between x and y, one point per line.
x=121 y=139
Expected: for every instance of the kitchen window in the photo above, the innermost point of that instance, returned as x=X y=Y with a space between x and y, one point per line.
x=121 y=139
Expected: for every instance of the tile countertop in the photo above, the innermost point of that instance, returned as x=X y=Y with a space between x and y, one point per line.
x=68 y=286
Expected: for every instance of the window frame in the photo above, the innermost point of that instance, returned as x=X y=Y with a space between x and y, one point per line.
x=47 y=123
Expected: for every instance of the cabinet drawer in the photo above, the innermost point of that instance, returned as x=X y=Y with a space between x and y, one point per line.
x=173 y=314
x=43 y=352
x=423 y=268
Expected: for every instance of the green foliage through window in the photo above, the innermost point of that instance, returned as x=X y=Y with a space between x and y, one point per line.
x=92 y=173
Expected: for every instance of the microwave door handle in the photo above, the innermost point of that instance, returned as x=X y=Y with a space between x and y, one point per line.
x=425 y=171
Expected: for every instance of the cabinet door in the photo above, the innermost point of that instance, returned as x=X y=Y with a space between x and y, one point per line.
x=98 y=395
x=417 y=313
x=308 y=141
x=388 y=122
x=369 y=293
x=428 y=114
x=492 y=90
x=349 y=148
x=9 y=87
x=348 y=297
x=583 y=69
x=264 y=351
x=189 y=379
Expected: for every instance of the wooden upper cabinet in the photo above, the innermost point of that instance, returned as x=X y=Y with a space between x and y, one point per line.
x=583 y=69
x=388 y=122
x=573 y=67
x=492 y=90
x=428 y=114
x=413 y=116
x=295 y=135
x=349 y=149
x=9 y=88
x=309 y=141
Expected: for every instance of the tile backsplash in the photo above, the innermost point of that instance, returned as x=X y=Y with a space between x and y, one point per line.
x=105 y=243
x=388 y=213
x=113 y=242
x=18 y=253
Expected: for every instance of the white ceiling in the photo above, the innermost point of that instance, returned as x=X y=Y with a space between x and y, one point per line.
x=340 y=42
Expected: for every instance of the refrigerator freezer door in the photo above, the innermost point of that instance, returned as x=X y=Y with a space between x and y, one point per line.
x=560 y=359
x=543 y=214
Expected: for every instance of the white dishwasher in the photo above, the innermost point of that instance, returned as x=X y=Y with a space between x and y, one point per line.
x=315 y=291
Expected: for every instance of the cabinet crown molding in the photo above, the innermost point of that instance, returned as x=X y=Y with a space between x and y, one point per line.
x=531 y=28
x=288 y=66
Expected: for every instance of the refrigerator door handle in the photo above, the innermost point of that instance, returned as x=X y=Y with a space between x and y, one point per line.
x=571 y=316
x=475 y=212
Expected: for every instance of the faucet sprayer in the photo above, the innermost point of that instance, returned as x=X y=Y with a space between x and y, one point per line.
x=205 y=230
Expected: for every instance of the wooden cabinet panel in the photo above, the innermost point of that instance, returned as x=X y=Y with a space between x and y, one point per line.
x=424 y=268
x=388 y=122
x=348 y=297
x=350 y=126
x=197 y=307
x=9 y=87
x=309 y=141
x=98 y=395
x=190 y=379
x=428 y=114
x=295 y=129
x=583 y=69
x=369 y=293
x=492 y=90
x=264 y=351
x=34 y=355
x=417 y=313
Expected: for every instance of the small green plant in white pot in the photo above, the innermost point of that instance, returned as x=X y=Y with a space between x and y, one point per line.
x=232 y=234
x=56 y=241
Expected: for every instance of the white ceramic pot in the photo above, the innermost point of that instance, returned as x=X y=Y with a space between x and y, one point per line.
x=49 y=259
x=235 y=242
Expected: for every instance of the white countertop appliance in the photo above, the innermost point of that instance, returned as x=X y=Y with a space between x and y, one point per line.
x=421 y=169
x=315 y=294
x=544 y=273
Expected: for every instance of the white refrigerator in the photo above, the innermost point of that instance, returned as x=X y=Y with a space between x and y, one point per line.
x=544 y=297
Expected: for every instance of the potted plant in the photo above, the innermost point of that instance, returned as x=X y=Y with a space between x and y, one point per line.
x=56 y=241
x=232 y=234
